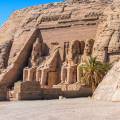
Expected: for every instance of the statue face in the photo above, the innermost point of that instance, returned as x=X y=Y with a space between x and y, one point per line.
x=87 y=49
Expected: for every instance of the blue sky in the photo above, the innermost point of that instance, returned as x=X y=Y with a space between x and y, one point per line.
x=7 y=7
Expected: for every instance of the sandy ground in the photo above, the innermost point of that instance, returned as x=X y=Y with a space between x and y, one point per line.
x=67 y=109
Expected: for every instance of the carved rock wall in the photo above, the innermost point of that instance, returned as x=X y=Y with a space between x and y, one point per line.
x=58 y=22
x=107 y=44
x=12 y=73
x=109 y=88
x=49 y=16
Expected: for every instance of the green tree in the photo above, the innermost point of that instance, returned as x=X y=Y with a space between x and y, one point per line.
x=92 y=72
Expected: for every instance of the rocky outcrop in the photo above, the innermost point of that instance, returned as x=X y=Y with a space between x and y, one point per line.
x=88 y=1
x=108 y=41
x=109 y=88
x=107 y=45
x=59 y=17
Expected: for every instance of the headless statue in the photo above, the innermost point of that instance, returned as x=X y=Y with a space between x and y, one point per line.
x=36 y=52
x=50 y=66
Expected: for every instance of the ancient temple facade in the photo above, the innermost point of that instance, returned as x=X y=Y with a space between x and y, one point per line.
x=46 y=69
x=42 y=47
x=44 y=66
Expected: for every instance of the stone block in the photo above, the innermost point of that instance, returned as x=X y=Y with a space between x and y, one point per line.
x=3 y=93
x=28 y=90
x=53 y=79
x=51 y=93
x=77 y=90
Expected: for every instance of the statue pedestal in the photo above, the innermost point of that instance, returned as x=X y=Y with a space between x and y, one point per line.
x=3 y=93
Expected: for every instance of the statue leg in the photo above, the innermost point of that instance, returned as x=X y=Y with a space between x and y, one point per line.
x=38 y=75
x=78 y=74
x=69 y=75
x=44 y=77
x=25 y=74
x=74 y=74
x=63 y=74
x=32 y=74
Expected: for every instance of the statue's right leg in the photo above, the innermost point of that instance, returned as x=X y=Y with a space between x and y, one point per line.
x=78 y=73
x=32 y=74
x=38 y=75
x=25 y=74
x=63 y=74
x=43 y=77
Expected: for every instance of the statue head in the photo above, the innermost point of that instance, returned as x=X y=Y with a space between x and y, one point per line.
x=88 y=47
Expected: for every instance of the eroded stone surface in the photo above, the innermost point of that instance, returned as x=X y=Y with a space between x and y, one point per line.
x=106 y=46
x=109 y=38
x=49 y=41
x=109 y=87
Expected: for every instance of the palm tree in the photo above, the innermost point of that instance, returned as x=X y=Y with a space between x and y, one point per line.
x=92 y=72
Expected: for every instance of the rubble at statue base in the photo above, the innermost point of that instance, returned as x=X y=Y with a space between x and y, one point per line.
x=42 y=46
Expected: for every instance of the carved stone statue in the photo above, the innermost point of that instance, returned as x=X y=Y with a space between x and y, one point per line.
x=68 y=73
x=87 y=51
x=36 y=52
x=86 y=56
x=47 y=73
x=69 y=67
x=29 y=73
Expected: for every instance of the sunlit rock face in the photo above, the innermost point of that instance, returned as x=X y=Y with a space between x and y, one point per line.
x=89 y=1
x=109 y=37
x=107 y=45
x=45 y=43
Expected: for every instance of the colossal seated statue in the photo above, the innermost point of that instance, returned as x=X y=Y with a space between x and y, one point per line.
x=69 y=67
x=36 y=58
x=87 y=51
x=43 y=68
x=85 y=57
x=48 y=72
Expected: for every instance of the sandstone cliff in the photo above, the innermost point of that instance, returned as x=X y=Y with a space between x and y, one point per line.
x=109 y=37
x=57 y=24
